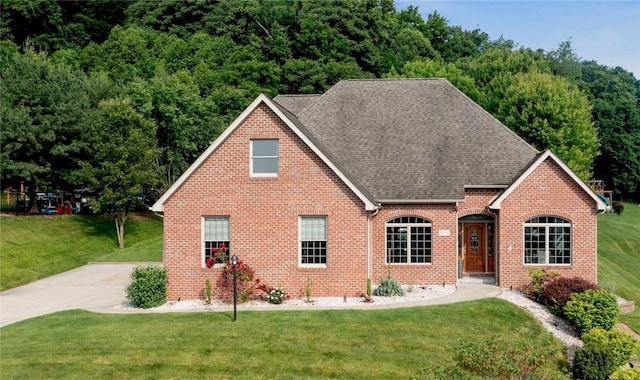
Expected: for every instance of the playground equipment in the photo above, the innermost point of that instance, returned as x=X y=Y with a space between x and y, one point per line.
x=606 y=195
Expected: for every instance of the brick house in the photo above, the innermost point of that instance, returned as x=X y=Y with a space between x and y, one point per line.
x=401 y=176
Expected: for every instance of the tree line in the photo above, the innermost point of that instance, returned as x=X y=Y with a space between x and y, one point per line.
x=121 y=96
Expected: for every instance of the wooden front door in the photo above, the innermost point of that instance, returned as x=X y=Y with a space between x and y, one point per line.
x=475 y=247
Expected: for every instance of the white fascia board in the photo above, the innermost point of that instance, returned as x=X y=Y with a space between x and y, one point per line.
x=159 y=205
x=496 y=204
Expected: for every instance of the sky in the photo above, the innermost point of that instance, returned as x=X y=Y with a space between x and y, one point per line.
x=607 y=32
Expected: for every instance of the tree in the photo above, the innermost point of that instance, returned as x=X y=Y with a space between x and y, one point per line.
x=549 y=113
x=124 y=166
x=53 y=25
x=47 y=122
x=183 y=120
x=565 y=62
x=616 y=114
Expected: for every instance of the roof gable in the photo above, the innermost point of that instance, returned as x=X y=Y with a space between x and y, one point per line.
x=497 y=203
x=295 y=126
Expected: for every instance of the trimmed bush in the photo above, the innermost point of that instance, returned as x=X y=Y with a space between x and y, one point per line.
x=500 y=358
x=539 y=276
x=388 y=287
x=557 y=291
x=626 y=374
x=591 y=309
x=148 y=287
x=603 y=352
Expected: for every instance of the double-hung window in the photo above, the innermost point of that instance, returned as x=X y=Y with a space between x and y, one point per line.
x=313 y=241
x=409 y=241
x=264 y=158
x=216 y=240
x=547 y=240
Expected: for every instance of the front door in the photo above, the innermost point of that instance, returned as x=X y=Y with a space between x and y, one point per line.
x=475 y=247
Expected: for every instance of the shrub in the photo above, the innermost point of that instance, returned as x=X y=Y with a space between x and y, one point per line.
x=591 y=309
x=539 y=276
x=508 y=358
x=603 y=352
x=626 y=374
x=388 y=287
x=245 y=284
x=148 y=287
x=557 y=291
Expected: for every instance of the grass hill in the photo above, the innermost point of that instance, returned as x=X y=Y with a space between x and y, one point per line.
x=37 y=246
x=619 y=257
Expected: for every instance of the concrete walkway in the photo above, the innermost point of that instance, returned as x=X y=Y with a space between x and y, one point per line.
x=99 y=287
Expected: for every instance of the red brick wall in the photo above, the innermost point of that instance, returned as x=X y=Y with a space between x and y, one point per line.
x=443 y=268
x=263 y=216
x=546 y=191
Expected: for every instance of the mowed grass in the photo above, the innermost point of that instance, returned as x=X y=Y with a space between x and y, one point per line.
x=345 y=344
x=619 y=258
x=37 y=246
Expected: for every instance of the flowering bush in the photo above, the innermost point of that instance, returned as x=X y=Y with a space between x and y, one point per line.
x=274 y=295
x=218 y=255
x=245 y=284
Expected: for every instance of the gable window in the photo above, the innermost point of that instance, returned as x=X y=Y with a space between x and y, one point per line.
x=313 y=241
x=264 y=158
x=547 y=240
x=409 y=240
x=216 y=239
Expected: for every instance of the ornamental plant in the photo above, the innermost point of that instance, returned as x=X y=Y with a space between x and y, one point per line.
x=218 y=255
x=148 y=287
x=274 y=295
x=603 y=352
x=557 y=291
x=591 y=309
x=245 y=283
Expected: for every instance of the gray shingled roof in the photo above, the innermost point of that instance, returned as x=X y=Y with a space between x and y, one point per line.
x=410 y=139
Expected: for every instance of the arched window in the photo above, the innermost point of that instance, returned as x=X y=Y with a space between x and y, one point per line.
x=547 y=240
x=409 y=240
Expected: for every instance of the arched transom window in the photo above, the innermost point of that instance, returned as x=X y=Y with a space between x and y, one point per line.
x=409 y=240
x=547 y=240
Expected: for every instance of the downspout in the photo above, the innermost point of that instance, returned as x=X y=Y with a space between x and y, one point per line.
x=370 y=242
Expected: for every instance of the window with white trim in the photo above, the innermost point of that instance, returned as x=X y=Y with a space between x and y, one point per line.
x=409 y=240
x=216 y=240
x=313 y=241
x=264 y=158
x=547 y=240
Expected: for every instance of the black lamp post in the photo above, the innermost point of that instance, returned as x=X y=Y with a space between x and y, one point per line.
x=234 y=262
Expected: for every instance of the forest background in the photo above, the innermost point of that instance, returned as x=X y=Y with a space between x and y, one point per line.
x=122 y=96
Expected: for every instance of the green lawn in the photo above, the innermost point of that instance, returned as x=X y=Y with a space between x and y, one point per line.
x=37 y=246
x=348 y=344
x=619 y=257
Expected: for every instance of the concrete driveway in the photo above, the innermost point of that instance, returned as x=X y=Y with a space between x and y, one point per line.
x=94 y=287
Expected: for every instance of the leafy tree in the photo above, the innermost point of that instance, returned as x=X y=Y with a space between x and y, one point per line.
x=47 y=122
x=53 y=25
x=127 y=54
x=452 y=42
x=549 y=113
x=183 y=120
x=124 y=167
x=616 y=114
x=565 y=62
